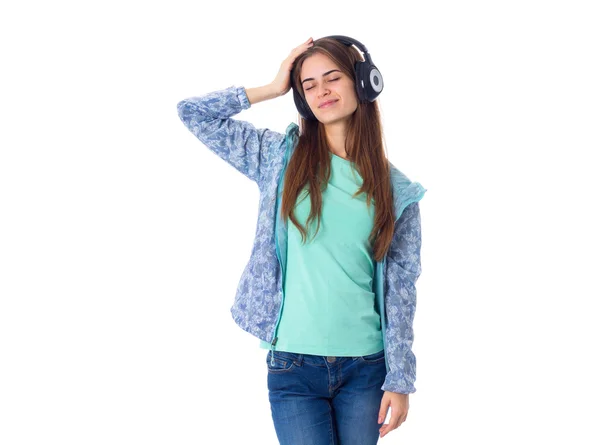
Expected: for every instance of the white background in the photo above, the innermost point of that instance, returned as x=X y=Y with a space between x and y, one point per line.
x=116 y=222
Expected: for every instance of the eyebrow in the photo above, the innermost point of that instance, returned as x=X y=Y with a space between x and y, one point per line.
x=324 y=74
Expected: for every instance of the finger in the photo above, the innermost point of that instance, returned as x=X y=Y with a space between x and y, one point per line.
x=383 y=430
x=383 y=409
x=305 y=45
x=394 y=422
x=299 y=50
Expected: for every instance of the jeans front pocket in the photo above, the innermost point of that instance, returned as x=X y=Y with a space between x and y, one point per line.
x=377 y=357
x=282 y=361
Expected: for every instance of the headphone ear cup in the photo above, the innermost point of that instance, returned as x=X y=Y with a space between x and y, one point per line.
x=359 y=74
x=303 y=107
x=373 y=82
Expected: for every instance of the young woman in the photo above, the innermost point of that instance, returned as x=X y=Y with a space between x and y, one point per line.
x=330 y=285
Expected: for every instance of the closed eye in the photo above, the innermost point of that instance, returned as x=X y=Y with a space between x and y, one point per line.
x=332 y=80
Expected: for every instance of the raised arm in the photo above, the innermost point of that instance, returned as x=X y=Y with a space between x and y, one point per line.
x=237 y=142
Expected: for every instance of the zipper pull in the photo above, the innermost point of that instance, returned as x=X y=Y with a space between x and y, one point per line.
x=272 y=349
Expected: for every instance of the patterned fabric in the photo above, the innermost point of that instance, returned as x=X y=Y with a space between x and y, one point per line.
x=262 y=156
x=403 y=269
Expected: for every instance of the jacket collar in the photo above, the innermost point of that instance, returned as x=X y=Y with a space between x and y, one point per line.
x=404 y=190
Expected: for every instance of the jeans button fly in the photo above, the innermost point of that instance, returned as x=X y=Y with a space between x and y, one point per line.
x=331 y=359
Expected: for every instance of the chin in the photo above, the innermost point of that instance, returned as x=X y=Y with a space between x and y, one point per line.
x=326 y=117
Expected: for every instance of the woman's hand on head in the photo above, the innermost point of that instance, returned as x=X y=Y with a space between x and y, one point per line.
x=282 y=83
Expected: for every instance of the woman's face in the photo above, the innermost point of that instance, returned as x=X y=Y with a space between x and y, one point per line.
x=335 y=86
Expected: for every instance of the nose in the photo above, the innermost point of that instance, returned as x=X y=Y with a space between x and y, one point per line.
x=322 y=89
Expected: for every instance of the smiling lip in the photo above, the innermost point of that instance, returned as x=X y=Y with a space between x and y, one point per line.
x=326 y=104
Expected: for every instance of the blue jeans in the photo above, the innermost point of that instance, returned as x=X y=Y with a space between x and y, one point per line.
x=319 y=400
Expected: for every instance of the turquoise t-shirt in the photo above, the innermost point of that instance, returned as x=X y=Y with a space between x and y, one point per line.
x=329 y=304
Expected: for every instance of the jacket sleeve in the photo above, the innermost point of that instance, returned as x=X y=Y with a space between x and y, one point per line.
x=404 y=267
x=237 y=142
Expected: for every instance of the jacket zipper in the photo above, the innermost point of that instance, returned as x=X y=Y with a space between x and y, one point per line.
x=279 y=187
x=380 y=279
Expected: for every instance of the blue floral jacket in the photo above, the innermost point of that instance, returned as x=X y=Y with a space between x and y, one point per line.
x=262 y=155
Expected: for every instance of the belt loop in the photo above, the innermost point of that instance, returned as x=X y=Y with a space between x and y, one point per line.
x=299 y=359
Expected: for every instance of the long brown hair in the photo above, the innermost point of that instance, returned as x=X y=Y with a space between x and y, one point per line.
x=364 y=148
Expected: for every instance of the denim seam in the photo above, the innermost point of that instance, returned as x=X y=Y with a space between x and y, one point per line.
x=331 y=426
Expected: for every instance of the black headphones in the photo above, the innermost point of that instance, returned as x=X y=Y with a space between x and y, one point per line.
x=368 y=79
